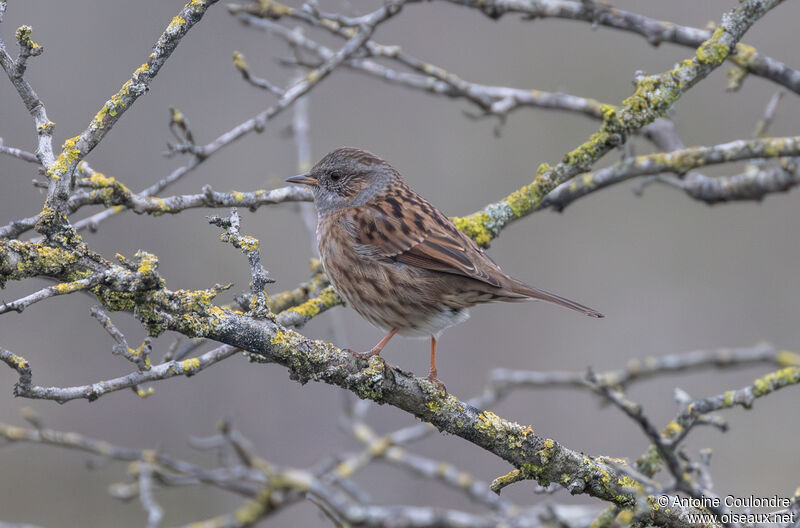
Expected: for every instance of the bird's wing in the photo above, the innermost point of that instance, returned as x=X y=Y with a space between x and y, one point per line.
x=419 y=235
x=422 y=237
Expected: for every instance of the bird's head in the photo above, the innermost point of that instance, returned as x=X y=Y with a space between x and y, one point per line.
x=347 y=177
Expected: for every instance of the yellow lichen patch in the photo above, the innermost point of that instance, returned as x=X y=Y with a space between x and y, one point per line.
x=345 y=469
x=713 y=51
x=14 y=433
x=23 y=35
x=308 y=309
x=190 y=364
x=744 y=55
x=475 y=227
x=589 y=151
x=627 y=482
x=327 y=298
x=274 y=9
x=112 y=107
x=249 y=243
x=502 y=431
x=141 y=69
x=523 y=200
x=379 y=447
x=776 y=380
x=729 y=398
x=515 y=475
x=147 y=263
x=176 y=23
x=650 y=462
x=313 y=76
x=611 y=121
x=672 y=430
x=488 y=422
x=68 y=156
x=280 y=338
x=46 y=128
x=787 y=358
x=464 y=480
x=19 y=363
x=37 y=258
x=238 y=196
x=239 y=62
x=434 y=405
x=543 y=169
x=68 y=287
x=547 y=451
x=98 y=179
x=136 y=352
x=624 y=517
x=144 y=393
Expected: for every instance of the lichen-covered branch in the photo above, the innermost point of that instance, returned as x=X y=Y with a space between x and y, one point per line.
x=192 y=314
x=300 y=314
x=117 y=197
x=654 y=95
x=139 y=356
x=75 y=149
x=63 y=288
x=642 y=369
x=15 y=70
x=250 y=248
x=752 y=185
x=268 y=488
x=744 y=56
x=743 y=397
x=188 y=367
x=494 y=100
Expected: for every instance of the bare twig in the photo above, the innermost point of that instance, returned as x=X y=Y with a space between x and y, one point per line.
x=169 y=369
x=259 y=306
x=139 y=356
x=18 y=153
x=63 y=288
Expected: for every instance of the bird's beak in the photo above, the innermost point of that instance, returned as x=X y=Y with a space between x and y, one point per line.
x=303 y=179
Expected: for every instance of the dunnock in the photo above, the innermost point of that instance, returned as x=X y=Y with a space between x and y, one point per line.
x=397 y=259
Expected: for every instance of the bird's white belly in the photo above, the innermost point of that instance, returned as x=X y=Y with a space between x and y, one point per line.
x=417 y=325
x=433 y=324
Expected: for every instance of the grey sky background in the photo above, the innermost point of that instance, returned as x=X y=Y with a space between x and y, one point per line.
x=670 y=274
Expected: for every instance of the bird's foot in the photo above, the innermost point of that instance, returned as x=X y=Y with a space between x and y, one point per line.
x=437 y=382
x=362 y=355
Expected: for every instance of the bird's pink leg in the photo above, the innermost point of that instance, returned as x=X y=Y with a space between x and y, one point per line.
x=376 y=350
x=432 y=374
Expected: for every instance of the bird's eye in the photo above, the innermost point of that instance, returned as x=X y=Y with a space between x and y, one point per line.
x=336 y=176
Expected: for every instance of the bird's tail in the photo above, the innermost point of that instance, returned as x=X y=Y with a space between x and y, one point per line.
x=535 y=293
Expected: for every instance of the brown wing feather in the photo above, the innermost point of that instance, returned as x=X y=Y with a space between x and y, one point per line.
x=387 y=231
x=433 y=243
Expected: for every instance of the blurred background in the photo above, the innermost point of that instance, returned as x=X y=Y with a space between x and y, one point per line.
x=671 y=274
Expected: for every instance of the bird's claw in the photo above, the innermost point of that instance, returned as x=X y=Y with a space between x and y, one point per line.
x=361 y=355
x=438 y=383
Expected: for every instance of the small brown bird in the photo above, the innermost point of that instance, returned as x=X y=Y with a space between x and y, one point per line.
x=396 y=258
